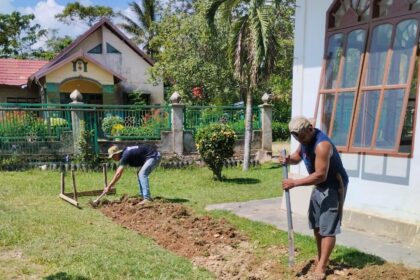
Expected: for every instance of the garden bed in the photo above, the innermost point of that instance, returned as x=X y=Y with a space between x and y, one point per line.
x=220 y=248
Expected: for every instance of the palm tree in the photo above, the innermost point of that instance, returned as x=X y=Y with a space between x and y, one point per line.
x=252 y=48
x=142 y=28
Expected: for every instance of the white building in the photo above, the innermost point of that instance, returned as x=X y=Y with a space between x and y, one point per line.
x=356 y=72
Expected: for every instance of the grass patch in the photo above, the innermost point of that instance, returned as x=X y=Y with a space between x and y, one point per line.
x=44 y=237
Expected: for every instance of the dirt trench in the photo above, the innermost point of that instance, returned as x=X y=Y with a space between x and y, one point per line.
x=220 y=248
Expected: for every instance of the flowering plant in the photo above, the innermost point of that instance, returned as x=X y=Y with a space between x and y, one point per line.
x=117 y=129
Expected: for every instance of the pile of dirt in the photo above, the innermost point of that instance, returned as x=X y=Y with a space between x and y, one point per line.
x=220 y=248
x=213 y=244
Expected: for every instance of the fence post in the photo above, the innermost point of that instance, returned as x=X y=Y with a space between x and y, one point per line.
x=266 y=120
x=177 y=123
x=77 y=118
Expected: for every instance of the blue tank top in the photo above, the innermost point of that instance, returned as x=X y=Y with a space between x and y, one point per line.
x=307 y=153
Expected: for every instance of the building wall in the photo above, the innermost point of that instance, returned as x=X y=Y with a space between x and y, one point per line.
x=381 y=186
x=134 y=68
x=15 y=92
x=93 y=72
x=129 y=64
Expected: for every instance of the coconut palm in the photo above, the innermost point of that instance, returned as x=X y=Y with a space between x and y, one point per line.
x=252 y=48
x=141 y=28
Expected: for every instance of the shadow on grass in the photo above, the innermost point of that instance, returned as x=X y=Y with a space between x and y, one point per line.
x=64 y=276
x=171 y=200
x=241 y=181
x=357 y=259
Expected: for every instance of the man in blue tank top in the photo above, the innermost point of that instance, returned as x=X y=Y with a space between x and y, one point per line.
x=327 y=174
x=143 y=156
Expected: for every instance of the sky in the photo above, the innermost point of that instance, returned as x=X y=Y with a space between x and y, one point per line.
x=45 y=10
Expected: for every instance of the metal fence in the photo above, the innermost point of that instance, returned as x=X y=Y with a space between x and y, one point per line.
x=47 y=129
x=197 y=116
x=35 y=129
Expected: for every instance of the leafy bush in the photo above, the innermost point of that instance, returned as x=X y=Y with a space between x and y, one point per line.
x=86 y=154
x=117 y=129
x=109 y=122
x=215 y=144
x=58 y=122
x=12 y=163
x=280 y=131
x=20 y=123
x=149 y=127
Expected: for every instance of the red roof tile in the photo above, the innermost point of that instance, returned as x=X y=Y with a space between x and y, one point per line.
x=15 y=72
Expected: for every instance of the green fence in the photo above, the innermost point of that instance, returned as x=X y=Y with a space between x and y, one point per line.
x=46 y=129
x=34 y=129
x=196 y=116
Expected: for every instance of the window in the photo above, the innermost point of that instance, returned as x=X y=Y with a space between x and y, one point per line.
x=23 y=100
x=96 y=50
x=111 y=49
x=369 y=84
x=88 y=98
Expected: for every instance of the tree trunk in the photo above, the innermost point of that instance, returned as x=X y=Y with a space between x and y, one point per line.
x=248 y=130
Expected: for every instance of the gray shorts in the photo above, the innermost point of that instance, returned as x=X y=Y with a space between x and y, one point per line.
x=324 y=211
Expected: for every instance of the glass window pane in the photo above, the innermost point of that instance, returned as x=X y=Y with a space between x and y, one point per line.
x=368 y=106
x=389 y=121
x=353 y=56
x=342 y=119
x=341 y=12
x=335 y=48
x=381 y=40
x=360 y=9
x=408 y=126
x=327 y=108
x=415 y=4
x=384 y=7
x=405 y=41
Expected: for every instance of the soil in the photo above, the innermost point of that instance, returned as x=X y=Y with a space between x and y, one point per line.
x=220 y=248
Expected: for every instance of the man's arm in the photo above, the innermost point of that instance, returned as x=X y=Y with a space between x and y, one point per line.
x=293 y=158
x=323 y=152
x=115 y=179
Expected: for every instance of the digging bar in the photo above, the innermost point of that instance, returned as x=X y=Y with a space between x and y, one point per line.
x=289 y=217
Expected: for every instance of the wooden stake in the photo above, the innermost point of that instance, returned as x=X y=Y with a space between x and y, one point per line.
x=74 y=185
x=69 y=200
x=91 y=193
x=105 y=177
x=62 y=182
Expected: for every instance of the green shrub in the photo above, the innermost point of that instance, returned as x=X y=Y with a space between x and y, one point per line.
x=280 y=131
x=55 y=121
x=12 y=163
x=109 y=122
x=215 y=144
x=21 y=123
x=86 y=153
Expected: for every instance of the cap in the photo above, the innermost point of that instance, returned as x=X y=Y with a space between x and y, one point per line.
x=113 y=150
x=299 y=123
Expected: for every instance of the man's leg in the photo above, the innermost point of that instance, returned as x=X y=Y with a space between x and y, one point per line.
x=327 y=245
x=144 y=173
x=318 y=239
x=140 y=188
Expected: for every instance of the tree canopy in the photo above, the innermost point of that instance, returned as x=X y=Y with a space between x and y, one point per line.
x=191 y=57
x=253 y=46
x=18 y=34
x=141 y=29
x=87 y=14
x=53 y=45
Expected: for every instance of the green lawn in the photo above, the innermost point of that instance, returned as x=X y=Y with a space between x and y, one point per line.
x=44 y=237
